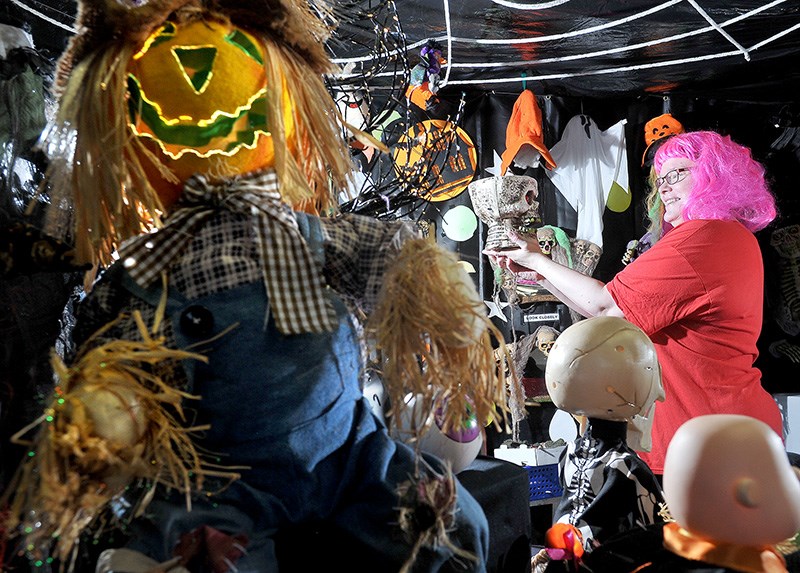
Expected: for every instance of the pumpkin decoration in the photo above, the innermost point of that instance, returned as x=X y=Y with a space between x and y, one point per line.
x=180 y=89
x=198 y=100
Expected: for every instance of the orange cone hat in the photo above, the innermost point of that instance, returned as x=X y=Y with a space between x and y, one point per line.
x=525 y=128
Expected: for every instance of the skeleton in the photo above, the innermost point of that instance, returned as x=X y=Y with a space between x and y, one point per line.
x=784 y=349
x=785 y=299
x=630 y=252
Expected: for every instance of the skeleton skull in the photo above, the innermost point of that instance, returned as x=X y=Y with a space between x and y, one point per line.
x=547 y=239
x=546 y=338
x=786 y=241
x=587 y=255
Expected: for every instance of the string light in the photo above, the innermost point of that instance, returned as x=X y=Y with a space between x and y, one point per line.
x=41 y=16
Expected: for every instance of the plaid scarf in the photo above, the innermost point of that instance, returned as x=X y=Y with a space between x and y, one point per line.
x=295 y=286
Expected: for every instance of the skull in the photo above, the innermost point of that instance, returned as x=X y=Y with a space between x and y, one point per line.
x=547 y=239
x=786 y=241
x=545 y=338
x=586 y=255
x=501 y=201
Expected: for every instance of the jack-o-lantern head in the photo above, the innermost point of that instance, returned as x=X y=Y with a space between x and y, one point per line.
x=198 y=100
x=152 y=92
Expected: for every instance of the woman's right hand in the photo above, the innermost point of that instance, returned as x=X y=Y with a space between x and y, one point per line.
x=518 y=260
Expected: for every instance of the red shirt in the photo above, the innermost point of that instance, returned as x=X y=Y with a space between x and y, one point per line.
x=698 y=293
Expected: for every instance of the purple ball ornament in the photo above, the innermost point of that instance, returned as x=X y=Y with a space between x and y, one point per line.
x=467 y=432
x=460 y=446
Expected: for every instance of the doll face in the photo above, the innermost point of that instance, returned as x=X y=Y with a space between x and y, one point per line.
x=198 y=99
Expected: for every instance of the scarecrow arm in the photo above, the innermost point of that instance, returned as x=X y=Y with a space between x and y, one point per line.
x=358 y=252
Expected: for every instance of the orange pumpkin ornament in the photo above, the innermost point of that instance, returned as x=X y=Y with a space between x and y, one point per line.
x=566 y=540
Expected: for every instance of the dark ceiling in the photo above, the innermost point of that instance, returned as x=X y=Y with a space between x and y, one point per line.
x=733 y=48
x=741 y=49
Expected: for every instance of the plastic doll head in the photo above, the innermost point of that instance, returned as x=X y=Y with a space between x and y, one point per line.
x=604 y=367
x=727 y=478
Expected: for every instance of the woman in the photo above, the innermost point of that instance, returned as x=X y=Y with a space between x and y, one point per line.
x=698 y=292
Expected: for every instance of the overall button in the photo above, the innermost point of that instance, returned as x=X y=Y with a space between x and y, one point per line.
x=197 y=321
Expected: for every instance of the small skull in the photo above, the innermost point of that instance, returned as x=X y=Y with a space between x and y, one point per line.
x=547 y=240
x=586 y=255
x=591 y=257
x=546 y=338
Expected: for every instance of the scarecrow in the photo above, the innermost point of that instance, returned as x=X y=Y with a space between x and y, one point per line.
x=196 y=159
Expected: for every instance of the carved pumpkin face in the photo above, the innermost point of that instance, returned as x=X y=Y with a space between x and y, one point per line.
x=198 y=99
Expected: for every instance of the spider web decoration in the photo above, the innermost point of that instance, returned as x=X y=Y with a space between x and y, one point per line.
x=402 y=183
x=370 y=47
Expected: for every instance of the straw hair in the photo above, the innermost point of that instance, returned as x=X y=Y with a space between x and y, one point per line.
x=423 y=327
x=73 y=472
x=99 y=187
x=318 y=158
x=100 y=174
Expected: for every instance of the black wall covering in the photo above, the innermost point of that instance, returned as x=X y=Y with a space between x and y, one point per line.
x=739 y=48
x=766 y=127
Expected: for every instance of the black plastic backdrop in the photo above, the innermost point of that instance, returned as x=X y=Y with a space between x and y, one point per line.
x=618 y=48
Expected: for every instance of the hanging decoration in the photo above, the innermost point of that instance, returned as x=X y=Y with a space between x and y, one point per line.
x=375 y=70
x=425 y=79
x=459 y=223
x=433 y=160
x=524 y=137
x=443 y=148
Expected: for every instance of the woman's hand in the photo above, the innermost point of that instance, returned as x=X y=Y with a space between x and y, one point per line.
x=521 y=259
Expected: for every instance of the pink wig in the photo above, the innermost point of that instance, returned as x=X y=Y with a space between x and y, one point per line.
x=727 y=183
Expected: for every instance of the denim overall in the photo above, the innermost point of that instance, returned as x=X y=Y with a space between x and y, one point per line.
x=290 y=408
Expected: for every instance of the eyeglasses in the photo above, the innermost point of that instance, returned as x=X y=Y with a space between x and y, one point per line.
x=672 y=176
